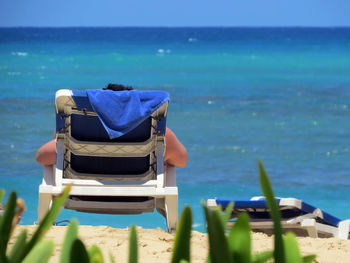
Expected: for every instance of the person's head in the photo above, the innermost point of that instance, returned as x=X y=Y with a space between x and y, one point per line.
x=117 y=87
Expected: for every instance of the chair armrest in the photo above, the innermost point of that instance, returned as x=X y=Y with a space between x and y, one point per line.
x=170 y=175
x=48 y=175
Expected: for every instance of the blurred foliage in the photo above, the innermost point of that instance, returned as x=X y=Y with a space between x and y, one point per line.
x=234 y=247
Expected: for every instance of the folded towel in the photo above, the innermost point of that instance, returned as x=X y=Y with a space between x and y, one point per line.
x=122 y=111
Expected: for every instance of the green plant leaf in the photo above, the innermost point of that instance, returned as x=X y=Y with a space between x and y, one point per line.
x=71 y=235
x=262 y=257
x=47 y=221
x=279 y=253
x=40 y=253
x=6 y=225
x=184 y=261
x=133 y=250
x=18 y=247
x=309 y=258
x=111 y=258
x=181 y=248
x=227 y=214
x=239 y=239
x=95 y=255
x=218 y=245
x=292 y=249
x=78 y=252
x=2 y=193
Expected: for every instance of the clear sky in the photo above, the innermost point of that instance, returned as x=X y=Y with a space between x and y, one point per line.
x=174 y=13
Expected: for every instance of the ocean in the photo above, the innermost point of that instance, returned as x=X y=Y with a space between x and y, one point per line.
x=238 y=95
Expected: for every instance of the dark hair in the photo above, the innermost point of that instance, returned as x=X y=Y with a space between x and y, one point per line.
x=117 y=87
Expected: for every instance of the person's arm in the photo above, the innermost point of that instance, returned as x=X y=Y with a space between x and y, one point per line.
x=175 y=153
x=46 y=155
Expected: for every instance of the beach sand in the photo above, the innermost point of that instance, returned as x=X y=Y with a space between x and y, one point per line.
x=155 y=245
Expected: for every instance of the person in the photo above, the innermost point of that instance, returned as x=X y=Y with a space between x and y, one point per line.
x=175 y=152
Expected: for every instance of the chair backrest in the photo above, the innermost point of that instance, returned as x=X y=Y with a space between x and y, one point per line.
x=88 y=152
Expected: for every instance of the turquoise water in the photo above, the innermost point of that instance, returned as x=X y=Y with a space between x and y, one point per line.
x=237 y=95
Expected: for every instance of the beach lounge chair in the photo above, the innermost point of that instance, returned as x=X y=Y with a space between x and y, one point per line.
x=297 y=216
x=112 y=171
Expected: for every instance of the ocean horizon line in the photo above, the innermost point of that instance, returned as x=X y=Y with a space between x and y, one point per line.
x=176 y=27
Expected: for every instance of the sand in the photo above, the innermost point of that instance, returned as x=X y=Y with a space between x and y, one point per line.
x=155 y=245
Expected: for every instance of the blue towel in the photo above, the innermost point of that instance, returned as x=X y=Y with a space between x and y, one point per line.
x=122 y=111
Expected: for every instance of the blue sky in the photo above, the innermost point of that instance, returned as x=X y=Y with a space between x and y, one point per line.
x=174 y=13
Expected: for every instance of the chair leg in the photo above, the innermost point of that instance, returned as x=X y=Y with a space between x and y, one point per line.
x=344 y=229
x=160 y=206
x=310 y=225
x=171 y=208
x=44 y=205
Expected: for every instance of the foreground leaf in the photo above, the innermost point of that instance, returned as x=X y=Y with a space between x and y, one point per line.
x=18 y=247
x=181 y=249
x=262 y=257
x=71 y=235
x=95 y=255
x=40 y=253
x=292 y=249
x=2 y=193
x=218 y=246
x=240 y=240
x=133 y=252
x=6 y=225
x=111 y=258
x=227 y=214
x=78 y=252
x=309 y=258
x=48 y=220
x=275 y=214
